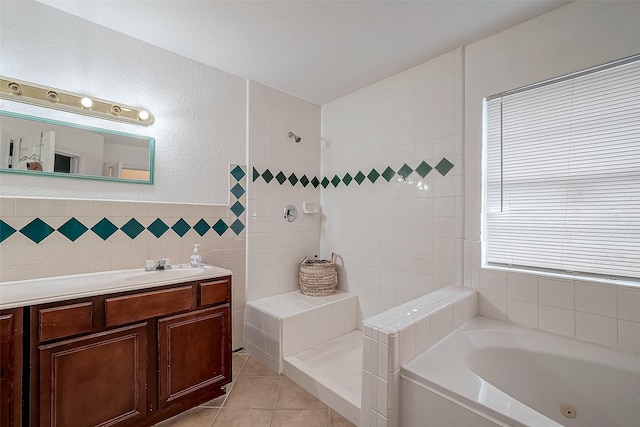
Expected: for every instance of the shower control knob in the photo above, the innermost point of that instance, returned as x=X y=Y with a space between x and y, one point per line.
x=290 y=213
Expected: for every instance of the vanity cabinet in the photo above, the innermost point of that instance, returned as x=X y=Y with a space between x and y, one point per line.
x=132 y=358
x=11 y=332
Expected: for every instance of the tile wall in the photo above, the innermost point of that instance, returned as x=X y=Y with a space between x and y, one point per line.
x=604 y=314
x=56 y=237
x=281 y=173
x=395 y=337
x=399 y=235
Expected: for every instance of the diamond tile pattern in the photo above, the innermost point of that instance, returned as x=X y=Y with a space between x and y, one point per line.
x=158 y=228
x=422 y=170
x=373 y=175
x=181 y=227
x=132 y=228
x=237 y=208
x=444 y=166
x=220 y=227
x=202 y=227
x=72 y=229
x=405 y=171
x=37 y=230
x=104 y=228
x=237 y=173
x=5 y=231
x=267 y=176
x=388 y=174
x=237 y=226
x=237 y=190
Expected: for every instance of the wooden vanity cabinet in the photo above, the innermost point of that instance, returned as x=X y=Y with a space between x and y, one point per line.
x=11 y=332
x=130 y=359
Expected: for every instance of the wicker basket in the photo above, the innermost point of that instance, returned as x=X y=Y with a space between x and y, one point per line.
x=318 y=278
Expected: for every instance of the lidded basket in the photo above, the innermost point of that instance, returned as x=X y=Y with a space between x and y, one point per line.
x=318 y=278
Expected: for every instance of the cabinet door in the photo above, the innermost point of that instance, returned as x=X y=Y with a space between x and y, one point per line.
x=96 y=380
x=194 y=352
x=10 y=367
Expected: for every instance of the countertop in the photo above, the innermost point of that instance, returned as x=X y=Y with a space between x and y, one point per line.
x=23 y=293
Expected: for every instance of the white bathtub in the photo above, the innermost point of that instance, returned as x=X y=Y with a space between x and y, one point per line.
x=490 y=373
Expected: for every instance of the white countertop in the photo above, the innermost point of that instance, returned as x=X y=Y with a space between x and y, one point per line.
x=23 y=293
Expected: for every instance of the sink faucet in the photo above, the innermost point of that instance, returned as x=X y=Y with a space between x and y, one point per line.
x=161 y=264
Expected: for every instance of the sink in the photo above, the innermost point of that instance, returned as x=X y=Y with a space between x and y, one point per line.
x=160 y=275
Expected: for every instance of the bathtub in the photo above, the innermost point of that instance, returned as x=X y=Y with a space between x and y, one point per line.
x=489 y=373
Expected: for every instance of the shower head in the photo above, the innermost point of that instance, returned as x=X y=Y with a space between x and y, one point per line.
x=295 y=137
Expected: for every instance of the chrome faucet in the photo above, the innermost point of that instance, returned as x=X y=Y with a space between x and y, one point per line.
x=161 y=264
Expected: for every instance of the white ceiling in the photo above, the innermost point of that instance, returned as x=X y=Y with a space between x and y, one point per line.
x=315 y=50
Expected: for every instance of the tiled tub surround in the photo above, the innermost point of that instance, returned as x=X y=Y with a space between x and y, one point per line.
x=602 y=313
x=490 y=373
x=395 y=337
x=312 y=340
x=84 y=236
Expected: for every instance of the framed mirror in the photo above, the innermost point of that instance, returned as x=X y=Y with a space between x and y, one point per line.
x=34 y=145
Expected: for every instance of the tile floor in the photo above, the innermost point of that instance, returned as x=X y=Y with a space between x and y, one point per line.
x=259 y=397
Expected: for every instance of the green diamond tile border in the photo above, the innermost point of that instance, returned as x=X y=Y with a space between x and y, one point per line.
x=388 y=174
x=5 y=231
x=38 y=230
x=220 y=227
x=158 y=227
x=373 y=176
x=72 y=229
x=281 y=178
x=405 y=171
x=422 y=169
x=104 y=228
x=132 y=228
x=444 y=166
x=202 y=227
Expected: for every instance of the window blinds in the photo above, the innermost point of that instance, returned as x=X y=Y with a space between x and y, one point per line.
x=563 y=175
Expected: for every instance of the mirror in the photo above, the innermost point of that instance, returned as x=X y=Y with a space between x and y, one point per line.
x=34 y=145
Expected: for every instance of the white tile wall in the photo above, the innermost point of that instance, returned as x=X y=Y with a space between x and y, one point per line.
x=396 y=336
x=275 y=246
x=398 y=240
x=601 y=313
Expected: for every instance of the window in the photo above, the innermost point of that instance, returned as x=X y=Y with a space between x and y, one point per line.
x=562 y=174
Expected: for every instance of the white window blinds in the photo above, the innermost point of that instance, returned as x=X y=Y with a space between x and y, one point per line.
x=563 y=174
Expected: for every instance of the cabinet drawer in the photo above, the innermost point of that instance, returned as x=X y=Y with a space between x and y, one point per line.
x=65 y=321
x=131 y=308
x=214 y=292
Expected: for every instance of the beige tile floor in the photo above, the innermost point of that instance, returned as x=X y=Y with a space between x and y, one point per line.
x=259 y=397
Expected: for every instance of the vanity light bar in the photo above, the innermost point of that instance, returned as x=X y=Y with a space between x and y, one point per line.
x=29 y=93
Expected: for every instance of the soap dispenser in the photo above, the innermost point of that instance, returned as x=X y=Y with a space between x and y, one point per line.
x=196 y=259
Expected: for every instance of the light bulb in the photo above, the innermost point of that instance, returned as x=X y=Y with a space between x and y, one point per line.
x=143 y=115
x=86 y=102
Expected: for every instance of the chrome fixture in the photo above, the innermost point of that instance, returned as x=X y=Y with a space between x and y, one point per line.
x=30 y=93
x=295 y=137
